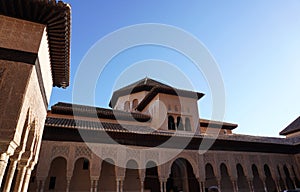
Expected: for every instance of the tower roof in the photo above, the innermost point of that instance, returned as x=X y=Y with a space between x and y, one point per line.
x=153 y=87
x=144 y=83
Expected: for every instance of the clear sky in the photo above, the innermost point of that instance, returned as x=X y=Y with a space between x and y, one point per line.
x=255 y=43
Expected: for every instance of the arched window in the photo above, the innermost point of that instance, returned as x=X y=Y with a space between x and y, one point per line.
x=126 y=106
x=188 y=124
x=171 y=123
x=135 y=103
x=179 y=123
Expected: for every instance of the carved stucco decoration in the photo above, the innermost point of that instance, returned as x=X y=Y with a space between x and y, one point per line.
x=82 y=151
x=60 y=151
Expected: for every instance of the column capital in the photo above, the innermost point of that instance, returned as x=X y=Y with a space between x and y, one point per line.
x=95 y=178
x=163 y=179
x=120 y=178
x=233 y=179
x=200 y=179
x=249 y=178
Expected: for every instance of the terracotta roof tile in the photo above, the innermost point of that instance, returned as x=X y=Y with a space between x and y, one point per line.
x=89 y=111
x=95 y=125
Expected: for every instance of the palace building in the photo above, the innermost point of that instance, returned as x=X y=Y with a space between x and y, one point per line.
x=152 y=139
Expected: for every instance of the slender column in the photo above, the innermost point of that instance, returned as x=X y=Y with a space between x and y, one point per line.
x=121 y=185
x=250 y=183
x=234 y=185
x=96 y=186
x=277 y=183
x=161 y=186
x=43 y=185
x=202 y=186
x=92 y=186
x=118 y=185
x=3 y=165
x=10 y=175
x=38 y=182
x=264 y=182
x=294 y=182
x=68 y=184
x=219 y=183
x=20 y=179
x=26 y=180
x=142 y=186
x=165 y=186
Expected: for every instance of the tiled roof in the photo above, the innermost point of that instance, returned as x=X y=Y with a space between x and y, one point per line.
x=70 y=130
x=291 y=128
x=217 y=124
x=89 y=111
x=57 y=17
x=95 y=125
x=153 y=87
x=144 y=82
x=171 y=91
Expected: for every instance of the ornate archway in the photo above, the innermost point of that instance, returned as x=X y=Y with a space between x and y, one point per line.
x=56 y=179
x=151 y=177
x=182 y=177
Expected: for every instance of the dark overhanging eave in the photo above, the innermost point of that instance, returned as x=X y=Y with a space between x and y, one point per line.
x=57 y=17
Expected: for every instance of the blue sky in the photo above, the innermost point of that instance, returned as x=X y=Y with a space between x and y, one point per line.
x=255 y=43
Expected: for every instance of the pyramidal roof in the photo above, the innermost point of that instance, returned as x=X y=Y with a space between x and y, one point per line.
x=153 y=87
x=292 y=128
x=146 y=82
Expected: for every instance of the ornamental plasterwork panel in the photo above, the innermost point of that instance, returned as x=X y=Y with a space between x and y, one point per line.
x=193 y=155
x=82 y=151
x=222 y=158
x=264 y=159
x=132 y=154
x=238 y=158
x=252 y=159
x=109 y=152
x=209 y=158
x=151 y=155
x=60 y=151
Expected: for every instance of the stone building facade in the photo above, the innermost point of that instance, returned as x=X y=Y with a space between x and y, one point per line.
x=34 y=57
x=153 y=140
